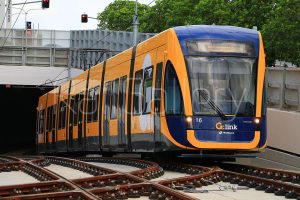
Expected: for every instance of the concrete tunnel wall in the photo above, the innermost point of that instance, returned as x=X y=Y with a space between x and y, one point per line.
x=18 y=117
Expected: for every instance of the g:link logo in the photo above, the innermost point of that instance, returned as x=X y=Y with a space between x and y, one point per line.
x=220 y=126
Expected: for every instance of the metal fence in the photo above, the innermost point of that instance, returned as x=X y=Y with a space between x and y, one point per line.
x=34 y=47
x=284 y=88
x=79 y=49
x=89 y=47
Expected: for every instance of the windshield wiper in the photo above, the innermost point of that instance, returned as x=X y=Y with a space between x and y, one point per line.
x=212 y=105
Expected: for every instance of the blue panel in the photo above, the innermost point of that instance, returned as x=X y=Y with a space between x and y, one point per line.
x=235 y=129
x=230 y=33
x=233 y=123
x=224 y=136
x=177 y=128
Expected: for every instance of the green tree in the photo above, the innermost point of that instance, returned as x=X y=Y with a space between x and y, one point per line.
x=212 y=12
x=249 y=13
x=169 y=13
x=118 y=15
x=282 y=32
x=163 y=15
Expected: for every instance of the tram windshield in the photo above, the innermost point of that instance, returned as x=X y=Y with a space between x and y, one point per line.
x=222 y=85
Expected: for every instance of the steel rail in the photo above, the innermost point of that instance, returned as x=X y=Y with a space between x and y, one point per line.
x=108 y=184
x=273 y=174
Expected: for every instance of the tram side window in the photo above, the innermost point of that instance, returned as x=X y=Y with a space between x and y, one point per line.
x=173 y=97
x=122 y=96
x=115 y=87
x=76 y=109
x=80 y=108
x=51 y=118
x=147 y=96
x=107 y=100
x=54 y=117
x=59 y=115
x=90 y=105
x=71 y=107
x=62 y=115
x=137 y=100
x=48 y=119
x=95 y=103
x=41 y=122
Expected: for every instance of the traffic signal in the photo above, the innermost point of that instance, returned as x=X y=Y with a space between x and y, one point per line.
x=28 y=25
x=84 y=18
x=45 y=3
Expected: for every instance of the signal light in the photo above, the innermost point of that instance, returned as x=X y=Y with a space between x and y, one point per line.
x=28 y=25
x=84 y=18
x=45 y=3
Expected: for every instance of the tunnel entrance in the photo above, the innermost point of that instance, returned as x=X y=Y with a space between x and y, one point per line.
x=18 y=116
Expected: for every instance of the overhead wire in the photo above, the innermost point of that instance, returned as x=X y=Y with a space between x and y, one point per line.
x=60 y=73
x=55 y=79
x=51 y=82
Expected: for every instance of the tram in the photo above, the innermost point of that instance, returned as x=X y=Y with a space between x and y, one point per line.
x=186 y=89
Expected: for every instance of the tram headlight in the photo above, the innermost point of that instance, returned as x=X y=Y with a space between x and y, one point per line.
x=189 y=122
x=257 y=123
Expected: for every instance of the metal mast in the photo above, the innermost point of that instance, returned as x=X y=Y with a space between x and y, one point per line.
x=135 y=24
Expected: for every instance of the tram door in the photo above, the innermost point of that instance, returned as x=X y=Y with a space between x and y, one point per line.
x=121 y=112
x=106 y=113
x=80 y=118
x=71 y=122
x=53 y=126
x=157 y=98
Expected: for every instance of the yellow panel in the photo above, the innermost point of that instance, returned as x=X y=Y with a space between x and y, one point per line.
x=118 y=59
x=52 y=97
x=79 y=84
x=260 y=77
x=95 y=76
x=91 y=129
x=219 y=145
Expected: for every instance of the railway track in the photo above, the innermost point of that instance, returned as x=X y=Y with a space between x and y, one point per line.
x=145 y=180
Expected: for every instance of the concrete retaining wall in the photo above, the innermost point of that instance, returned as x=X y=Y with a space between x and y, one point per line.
x=284 y=130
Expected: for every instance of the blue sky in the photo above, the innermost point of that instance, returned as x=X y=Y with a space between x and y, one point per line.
x=62 y=14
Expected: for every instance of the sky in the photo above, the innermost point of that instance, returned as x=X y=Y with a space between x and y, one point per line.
x=62 y=14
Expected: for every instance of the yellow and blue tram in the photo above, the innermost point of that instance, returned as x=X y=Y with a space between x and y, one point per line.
x=187 y=88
